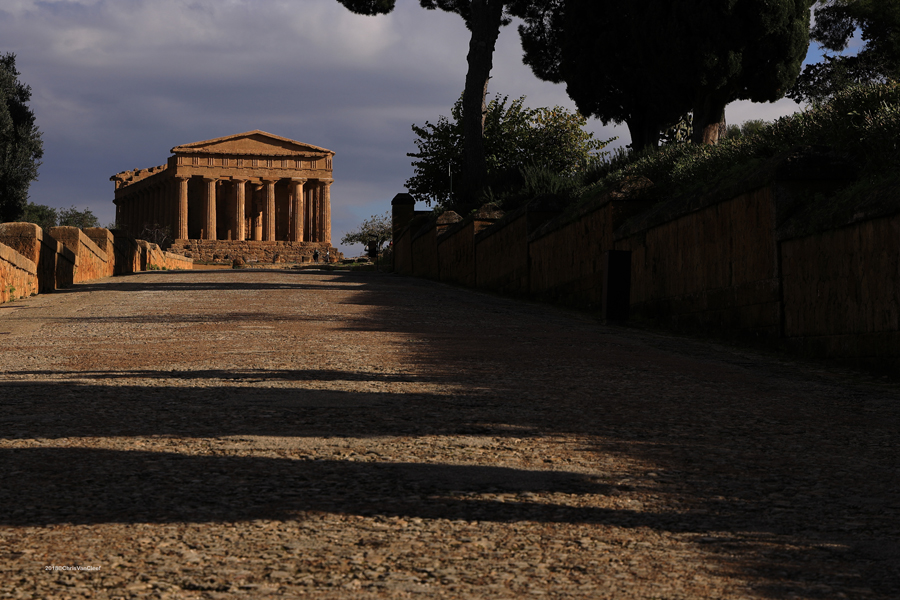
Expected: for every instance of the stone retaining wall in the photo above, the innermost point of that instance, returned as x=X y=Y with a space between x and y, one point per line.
x=105 y=240
x=402 y=252
x=55 y=263
x=842 y=292
x=153 y=258
x=225 y=251
x=777 y=263
x=713 y=269
x=92 y=262
x=501 y=252
x=456 y=248
x=127 y=253
x=18 y=275
x=34 y=261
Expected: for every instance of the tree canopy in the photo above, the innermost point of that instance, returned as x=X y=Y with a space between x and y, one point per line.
x=878 y=23
x=43 y=216
x=515 y=137
x=20 y=141
x=46 y=217
x=483 y=18
x=376 y=230
x=648 y=62
x=72 y=217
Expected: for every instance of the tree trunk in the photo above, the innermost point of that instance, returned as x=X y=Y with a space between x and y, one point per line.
x=709 y=117
x=484 y=23
x=644 y=133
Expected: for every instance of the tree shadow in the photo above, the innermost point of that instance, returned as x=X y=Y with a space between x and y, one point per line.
x=782 y=473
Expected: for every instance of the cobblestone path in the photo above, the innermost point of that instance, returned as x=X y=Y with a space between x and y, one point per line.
x=251 y=434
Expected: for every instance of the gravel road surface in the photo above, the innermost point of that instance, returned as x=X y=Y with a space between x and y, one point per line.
x=256 y=434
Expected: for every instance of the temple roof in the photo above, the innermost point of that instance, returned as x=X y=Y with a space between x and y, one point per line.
x=252 y=143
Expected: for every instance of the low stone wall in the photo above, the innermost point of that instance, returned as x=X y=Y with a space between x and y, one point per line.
x=424 y=244
x=127 y=253
x=225 y=251
x=793 y=261
x=402 y=252
x=80 y=256
x=713 y=269
x=456 y=248
x=105 y=241
x=501 y=252
x=842 y=292
x=30 y=241
x=424 y=254
x=18 y=275
x=566 y=263
x=92 y=263
x=153 y=258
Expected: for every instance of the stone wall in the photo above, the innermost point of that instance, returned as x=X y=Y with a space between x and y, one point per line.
x=105 y=241
x=92 y=262
x=33 y=261
x=18 y=275
x=424 y=254
x=424 y=243
x=225 y=251
x=127 y=253
x=842 y=292
x=402 y=252
x=712 y=269
x=456 y=247
x=501 y=252
x=56 y=264
x=153 y=258
x=791 y=262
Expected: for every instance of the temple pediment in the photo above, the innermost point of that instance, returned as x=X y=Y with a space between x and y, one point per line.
x=252 y=143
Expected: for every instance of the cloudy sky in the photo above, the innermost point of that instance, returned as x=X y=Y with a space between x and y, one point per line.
x=117 y=83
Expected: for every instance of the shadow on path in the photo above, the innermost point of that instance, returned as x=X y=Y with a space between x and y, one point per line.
x=790 y=473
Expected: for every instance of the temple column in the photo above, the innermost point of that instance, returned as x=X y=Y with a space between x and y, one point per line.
x=181 y=221
x=143 y=209
x=161 y=204
x=209 y=232
x=269 y=211
x=257 y=219
x=320 y=213
x=326 y=210
x=313 y=214
x=239 y=201
x=297 y=209
x=156 y=194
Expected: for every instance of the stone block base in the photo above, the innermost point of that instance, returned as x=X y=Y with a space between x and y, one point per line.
x=225 y=251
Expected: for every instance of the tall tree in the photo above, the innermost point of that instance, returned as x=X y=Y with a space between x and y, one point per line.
x=741 y=50
x=837 y=21
x=483 y=18
x=616 y=59
x=515 y=137
x=20 y=141
x=647 y=62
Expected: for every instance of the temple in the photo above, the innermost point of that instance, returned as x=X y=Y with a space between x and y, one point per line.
x=250 y=194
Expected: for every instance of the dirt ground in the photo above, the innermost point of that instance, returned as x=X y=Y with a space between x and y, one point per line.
x=254 y=434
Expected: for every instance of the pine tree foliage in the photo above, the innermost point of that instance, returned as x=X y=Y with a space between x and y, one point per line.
x=21 y=148
x=648 y=62
x=836 y=22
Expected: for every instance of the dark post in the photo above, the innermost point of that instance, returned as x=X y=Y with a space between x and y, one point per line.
x=616 y=285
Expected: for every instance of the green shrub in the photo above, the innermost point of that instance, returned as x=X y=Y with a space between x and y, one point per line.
x=863 y=121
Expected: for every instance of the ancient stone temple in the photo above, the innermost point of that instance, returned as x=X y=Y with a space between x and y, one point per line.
x=252 y=194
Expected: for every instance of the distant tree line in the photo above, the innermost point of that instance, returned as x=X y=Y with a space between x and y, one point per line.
x=46 y=217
